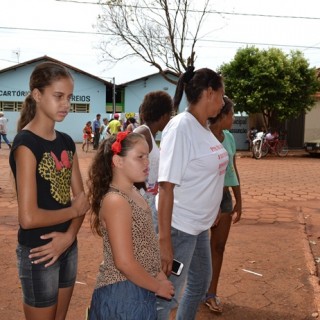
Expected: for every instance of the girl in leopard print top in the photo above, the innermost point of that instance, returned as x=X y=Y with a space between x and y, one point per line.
x=130 y=276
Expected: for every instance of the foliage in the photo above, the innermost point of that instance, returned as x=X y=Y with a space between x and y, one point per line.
x=162 y=33
x=270 y=82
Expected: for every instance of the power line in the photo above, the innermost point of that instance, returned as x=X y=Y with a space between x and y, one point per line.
x=197 y=11
x=199 y=40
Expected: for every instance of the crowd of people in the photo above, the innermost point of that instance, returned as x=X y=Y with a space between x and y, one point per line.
x=150 y=204
x=94 y=132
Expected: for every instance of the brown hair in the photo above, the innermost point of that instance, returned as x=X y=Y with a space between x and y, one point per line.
x=155 y=104
x=101 y=173
x=228 y=105
x=43 y=75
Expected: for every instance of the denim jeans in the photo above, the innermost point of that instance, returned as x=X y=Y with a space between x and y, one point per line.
x=194 y=252
x=226 y=202
x=4 y=136
x=123 y=301
x=40 y=284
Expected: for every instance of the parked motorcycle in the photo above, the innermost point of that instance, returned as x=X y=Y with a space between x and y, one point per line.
x=258 y=146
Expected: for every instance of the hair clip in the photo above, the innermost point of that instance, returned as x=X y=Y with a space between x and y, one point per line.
x=116 y=146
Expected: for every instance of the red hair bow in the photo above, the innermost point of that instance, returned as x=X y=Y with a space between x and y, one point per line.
x=116 y=146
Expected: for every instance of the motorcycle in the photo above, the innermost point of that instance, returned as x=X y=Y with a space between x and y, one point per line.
x=258 y=149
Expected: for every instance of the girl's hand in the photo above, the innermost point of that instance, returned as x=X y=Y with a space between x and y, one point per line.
x=81 y=204
x=161 y=276
x=238 y=210
x=166 y=289
x=51 y=251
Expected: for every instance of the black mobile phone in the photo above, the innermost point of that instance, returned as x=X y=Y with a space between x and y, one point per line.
x=177 y=267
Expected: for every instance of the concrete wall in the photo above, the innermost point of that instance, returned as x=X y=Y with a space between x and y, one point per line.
x=136 y=90
x=312 y=123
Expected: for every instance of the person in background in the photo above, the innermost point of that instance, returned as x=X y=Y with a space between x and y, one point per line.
x=96 y=131
x=272 y=136
x=220 y=126
x=3 y=129
x=114 y=125
x=125 y=125
x=251 y=136
x=104 y=129
x=45 y=166
x=87 y=136
x=191 y=174
x=130 y=275
x=156 y=110
x=132 y=124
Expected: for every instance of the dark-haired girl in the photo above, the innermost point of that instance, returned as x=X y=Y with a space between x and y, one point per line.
x=45 y=167
x=130 y=276
x=220 y=127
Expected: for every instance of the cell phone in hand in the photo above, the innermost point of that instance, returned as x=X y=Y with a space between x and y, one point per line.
x=177 y=267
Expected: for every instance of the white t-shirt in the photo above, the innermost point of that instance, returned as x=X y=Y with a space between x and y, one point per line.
x=195 y=161
x=154 y=156
x=3 y=125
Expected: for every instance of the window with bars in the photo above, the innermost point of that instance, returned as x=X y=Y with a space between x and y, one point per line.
x=16 y=106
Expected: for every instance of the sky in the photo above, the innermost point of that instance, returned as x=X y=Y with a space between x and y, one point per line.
x=285 y=24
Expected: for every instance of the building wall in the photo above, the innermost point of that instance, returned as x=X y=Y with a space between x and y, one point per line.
x=14 y=86
x=312 y=123
x=136 y=90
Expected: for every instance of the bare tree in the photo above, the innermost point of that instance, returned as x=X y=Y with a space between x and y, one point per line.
x=162 y=33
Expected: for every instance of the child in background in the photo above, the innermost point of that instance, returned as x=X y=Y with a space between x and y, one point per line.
x=130 y=276
x=104 y=129
x=45 y=166
x=87 y=136
x=156 y=110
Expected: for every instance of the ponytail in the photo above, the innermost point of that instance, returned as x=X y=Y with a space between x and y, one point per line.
x=28 y=112
x=184 y=78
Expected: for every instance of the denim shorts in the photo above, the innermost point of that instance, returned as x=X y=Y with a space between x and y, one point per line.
x=226 y=202
x=123 y=301
x=40 y=285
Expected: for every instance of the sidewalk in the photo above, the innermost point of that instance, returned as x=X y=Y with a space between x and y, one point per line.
x=269 y=270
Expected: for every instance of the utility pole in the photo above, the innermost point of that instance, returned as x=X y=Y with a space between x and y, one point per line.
x=17 y=53
x=114 y=95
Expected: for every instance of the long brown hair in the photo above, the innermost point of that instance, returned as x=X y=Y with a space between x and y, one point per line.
x=42 y=76
x=101 y=174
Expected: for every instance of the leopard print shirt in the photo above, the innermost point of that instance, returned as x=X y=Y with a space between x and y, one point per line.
x=145 y=246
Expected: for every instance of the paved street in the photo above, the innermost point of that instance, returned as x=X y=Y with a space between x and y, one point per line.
x=269 y=270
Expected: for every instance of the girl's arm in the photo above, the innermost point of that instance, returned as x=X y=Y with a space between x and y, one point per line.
x=116 y=216
x=237 y=195
x=29 y=214
x=61 y=241
x=165 y=207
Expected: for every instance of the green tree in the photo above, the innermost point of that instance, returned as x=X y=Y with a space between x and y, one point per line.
x=162 y=33
x=278 y=85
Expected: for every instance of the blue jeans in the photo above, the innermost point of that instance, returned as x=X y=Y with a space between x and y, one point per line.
x=123 y=301
x=4 y=136
x=194 y=252
x=226 y=202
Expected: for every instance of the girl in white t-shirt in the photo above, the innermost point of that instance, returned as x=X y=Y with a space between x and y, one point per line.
x=191 y=174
